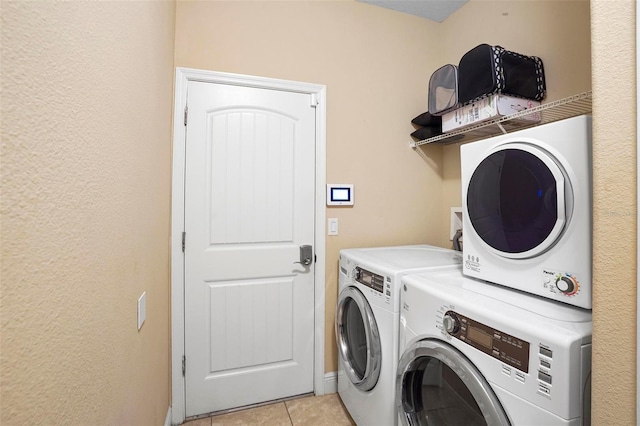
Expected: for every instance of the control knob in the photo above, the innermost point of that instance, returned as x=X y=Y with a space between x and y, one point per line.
x=567 y=285
x=451 y=323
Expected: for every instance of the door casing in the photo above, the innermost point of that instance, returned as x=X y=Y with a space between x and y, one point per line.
x=317 y=92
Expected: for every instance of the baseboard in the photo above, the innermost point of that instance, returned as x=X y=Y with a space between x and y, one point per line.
x=331 y=382
x=167 y=420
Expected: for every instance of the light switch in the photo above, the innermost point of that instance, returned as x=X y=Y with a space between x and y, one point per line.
x=333 y=226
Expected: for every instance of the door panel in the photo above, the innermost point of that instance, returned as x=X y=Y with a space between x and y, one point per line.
x=249 y=205
x=251 y=177
x=243 y=313
x=358 y=339
x=518 y=202
x=439 y=385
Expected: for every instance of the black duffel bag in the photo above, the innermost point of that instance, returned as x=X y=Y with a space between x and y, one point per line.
x=487 y=70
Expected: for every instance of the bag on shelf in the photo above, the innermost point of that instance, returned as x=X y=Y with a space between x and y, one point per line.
x=429 y=126
x=487 y=70
x=443 y=90
x=425 y=133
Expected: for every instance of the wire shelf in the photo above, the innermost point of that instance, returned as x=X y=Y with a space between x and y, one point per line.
x=553 y=111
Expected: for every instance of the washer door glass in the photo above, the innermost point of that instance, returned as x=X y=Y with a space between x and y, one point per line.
x=358 y=339
x=516 y=201
x=437 y=385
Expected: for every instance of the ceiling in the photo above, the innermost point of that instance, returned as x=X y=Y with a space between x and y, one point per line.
x=436 y=10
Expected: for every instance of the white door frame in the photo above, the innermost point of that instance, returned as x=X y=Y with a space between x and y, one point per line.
x=318 y=92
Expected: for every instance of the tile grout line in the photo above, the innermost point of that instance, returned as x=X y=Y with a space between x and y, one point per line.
x=288 y=413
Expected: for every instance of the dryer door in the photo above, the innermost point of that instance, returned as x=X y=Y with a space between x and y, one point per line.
x=518 y=200
x=358 y=339
x=437 y=385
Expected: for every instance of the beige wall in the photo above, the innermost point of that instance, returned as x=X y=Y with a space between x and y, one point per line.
x=85 y=202
x=615 y=215
x=556 y=31
x=85 y=166
x=373 y=63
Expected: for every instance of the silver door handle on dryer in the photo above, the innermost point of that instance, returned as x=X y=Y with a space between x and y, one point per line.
x=306 y=255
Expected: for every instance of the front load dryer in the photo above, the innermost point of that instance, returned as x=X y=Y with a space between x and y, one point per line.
x=527 y=210
x=367 y=324
x=478 y=354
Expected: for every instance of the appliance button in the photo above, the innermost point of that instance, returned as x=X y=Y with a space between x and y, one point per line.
x=544 y=377
x=543 y=390
x=546 y=352
x=506 y=370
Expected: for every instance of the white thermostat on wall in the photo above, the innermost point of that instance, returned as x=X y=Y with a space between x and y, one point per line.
x=339 y=194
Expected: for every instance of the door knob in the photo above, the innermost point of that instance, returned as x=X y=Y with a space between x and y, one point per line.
x=306 y=255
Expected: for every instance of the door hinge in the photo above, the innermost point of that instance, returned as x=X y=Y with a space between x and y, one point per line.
x=184 y=239
x=184 y=365
x=314 y=100
x=186 y=113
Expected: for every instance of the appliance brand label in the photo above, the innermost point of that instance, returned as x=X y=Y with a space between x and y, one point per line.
x=548 y=280
x=472 y=263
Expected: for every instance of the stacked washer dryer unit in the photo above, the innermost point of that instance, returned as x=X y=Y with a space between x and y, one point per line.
x=517 y=344
x=478 y=354
x=367 y=324
x=527 y=210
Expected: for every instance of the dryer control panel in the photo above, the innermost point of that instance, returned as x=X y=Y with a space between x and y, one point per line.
x=505 y=347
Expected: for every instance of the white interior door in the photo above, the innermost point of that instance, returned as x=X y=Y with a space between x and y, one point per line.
x=249 y=206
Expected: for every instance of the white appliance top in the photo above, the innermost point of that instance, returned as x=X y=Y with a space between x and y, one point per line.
x=388 y=265
x=397 y=259
x=451 y=285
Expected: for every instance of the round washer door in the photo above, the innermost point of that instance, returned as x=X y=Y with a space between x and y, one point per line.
x=437 y=385
x=358 y=339
x=518 y=201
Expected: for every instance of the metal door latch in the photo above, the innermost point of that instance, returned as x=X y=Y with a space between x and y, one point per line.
x=306 y=255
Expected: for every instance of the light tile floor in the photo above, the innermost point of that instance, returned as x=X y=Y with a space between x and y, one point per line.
x=326 y=410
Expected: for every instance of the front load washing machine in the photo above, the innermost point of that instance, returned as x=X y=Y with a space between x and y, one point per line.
x=367 y=324
x=479 y=354
x=527 y=210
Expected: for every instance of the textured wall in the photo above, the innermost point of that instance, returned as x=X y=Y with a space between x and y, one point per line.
x=373 y=62
x=85 y=202
x=614 y=208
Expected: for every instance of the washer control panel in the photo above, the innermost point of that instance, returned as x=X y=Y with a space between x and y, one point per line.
x=371 y=280
x=502 y=346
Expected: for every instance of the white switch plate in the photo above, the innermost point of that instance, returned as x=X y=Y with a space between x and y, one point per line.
x=142 y=309
x=456 y=221
x=332 y=227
